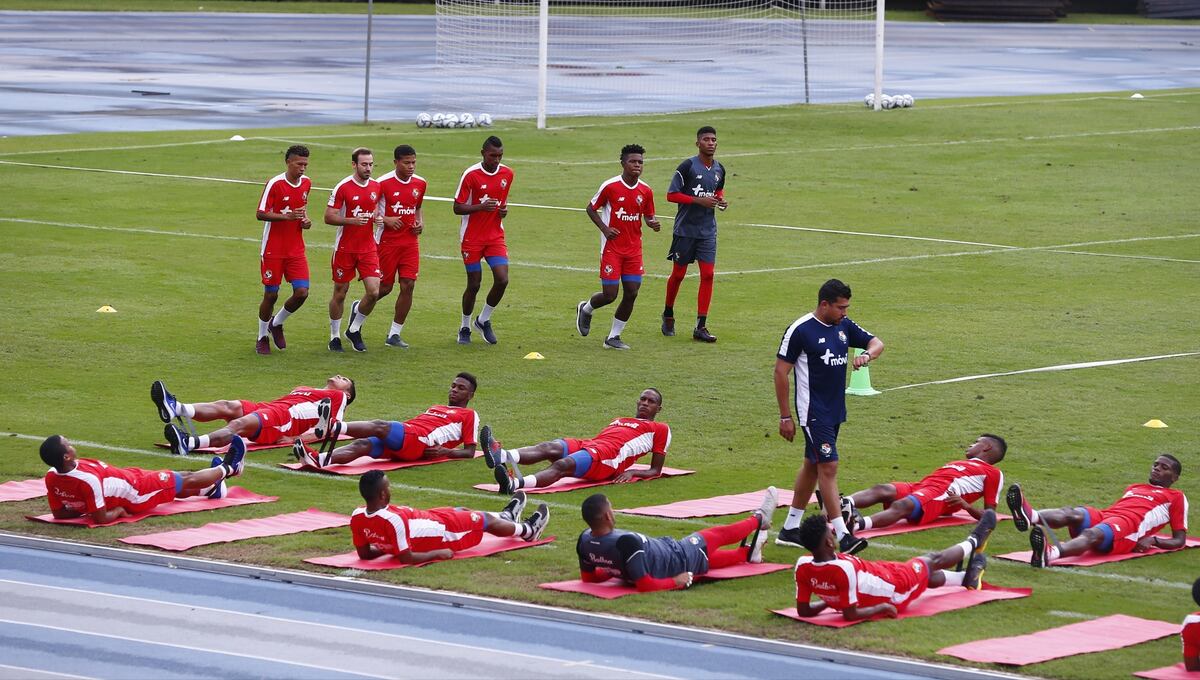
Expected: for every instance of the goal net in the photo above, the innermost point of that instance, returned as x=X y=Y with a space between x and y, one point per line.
x=647 y=56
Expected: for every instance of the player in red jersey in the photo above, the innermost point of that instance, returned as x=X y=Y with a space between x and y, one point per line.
x=402 y=192
x=1129 y=525
x=84 y=486
x=283 y=210
x=863 y=589
x=607 y=456
x=291 y=415
x=617 y=210
x=952 y=487
x=354 y=209
x=1190 y=634
x=436 y=433
x=414 y=536
x=482 y=201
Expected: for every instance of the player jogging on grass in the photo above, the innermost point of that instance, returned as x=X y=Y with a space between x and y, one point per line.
x=952 y=487
x=402 y=192
x=863 y=589
x=1129 y=525
x=665 y=563
x=269 y=422
x=283 y=210
x=608 y=456
x=414 y=536
x=482 y=202
x=84 y=486
x=617 y=210
x=698 y=187
x=353 y=208
x=436 y=433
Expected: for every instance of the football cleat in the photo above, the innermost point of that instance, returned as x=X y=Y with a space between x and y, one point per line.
x=355 y=337
x=262 y=346
x=486 y=329
x=516 y=505
x=305 y=454
x=983 y=529
x=1019 y=507
x=324 y=413
x=851 y=544
x=583 y=320
x=756 y=548
x=1040 y=547
x=764 y=511
x=850 y=514
x=615 y=342
x=668 y=325
x=537 y=522
x=464 y=336
x=973 y=579
x=218 y=490
x=178 y=440
x=395 y=341
x=168 y=406
x=701 y=333
x=235 y=457
x=789 y=537
x=277 y=336
x=503 y=479
x=491 y=448
x=335 y=345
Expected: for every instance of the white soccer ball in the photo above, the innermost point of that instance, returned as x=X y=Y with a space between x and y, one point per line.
x=451 y=120
x=424 y=120
x=439 y=120
x=466 y=120
x=484 y=120
x=887 y=101
x=909 y=101
x=869 y=100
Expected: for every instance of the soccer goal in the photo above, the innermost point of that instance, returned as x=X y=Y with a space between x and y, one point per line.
x=539 y=58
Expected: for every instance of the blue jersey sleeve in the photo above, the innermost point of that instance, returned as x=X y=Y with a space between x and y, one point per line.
x=677 y=179
x=791 y=346
x=856 y=336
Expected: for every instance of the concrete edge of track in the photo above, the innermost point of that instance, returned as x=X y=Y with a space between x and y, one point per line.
x=494 y=605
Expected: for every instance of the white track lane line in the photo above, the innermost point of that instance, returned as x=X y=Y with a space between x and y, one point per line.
x=1044 y=369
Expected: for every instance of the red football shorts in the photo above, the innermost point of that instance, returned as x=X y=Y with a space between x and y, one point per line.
x=598 y=470
x=475 y=251
x=275 y=269
x=155 y=486
x=931 y=508
x=915 y=580
x=615 y=267
x=276 y=421
x=459 y=530
x=344 y=265
x=399 y=261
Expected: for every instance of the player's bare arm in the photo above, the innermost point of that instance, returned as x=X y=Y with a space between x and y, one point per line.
x=609 y=232
x=410 y=557
x=653 y=223
x=1177 y=540
x=334 y=219
x=490 y=205
x=883 y=609
x=106 y=515
x=418 y=222
x=787 y=426
x=65 y=513
x=811 y=608
x=874 y=349
x=655 y=469
x=443 y=452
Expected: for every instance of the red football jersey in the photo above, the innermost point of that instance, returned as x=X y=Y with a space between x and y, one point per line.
x=1150 y=508
x=621 y=207
x=397 y=528
x=445 y=426
x=1191 y=635
x=352 y=199
x=971 y=479
x=305 y=417
x=849 y=581
x=94 y=485
x=400 y=199
x=283 y=239
x=476 y=186
x=627 y=439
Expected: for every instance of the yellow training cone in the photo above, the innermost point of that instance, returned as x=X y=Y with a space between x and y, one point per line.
x=538 y=355
x=1156 y=423
x=109 y=310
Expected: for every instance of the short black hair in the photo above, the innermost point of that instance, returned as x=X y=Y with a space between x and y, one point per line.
x=353 y=392
x=469 y=378
x=402 y=151
x=53 y=450
x=1196 y=591
x=631 y=148
x=812 y=531
x=295 y=150
x=494 y=142
x=707 y=129
x=368 y=484
x=360 y=151
x=831 y=290
x=593 y=507
x=655 y=390
x=999 y=442
x=1177 y=465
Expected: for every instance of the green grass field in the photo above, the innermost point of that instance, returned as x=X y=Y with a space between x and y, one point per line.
x=1091 y=253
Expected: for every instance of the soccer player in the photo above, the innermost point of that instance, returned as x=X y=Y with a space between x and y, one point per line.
x=815 y=349
x=262 y=423
x=283 y=210
x=952 y=487
x=698 y=187
x=414 y=536
x=617 y=210
x=665 y=563
x=1191 y=634
x=402 y=192
x=84 y=486
x=606 y=457
x=863 y=589
x=436 y=433
x=354 y=208
x=1129 y=525
x=482 y=201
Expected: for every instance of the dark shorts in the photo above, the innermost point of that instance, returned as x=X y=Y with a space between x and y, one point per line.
x=686 y=250
x=820 y=442
x=695 y=553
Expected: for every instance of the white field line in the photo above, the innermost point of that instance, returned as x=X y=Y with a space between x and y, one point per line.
x=1130 y=257
x=165 y=145
x=1045 y=369
x=875 y=235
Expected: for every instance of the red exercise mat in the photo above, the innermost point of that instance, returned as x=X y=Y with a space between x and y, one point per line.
x=572 y=483
x=224 y=532
x=490 y=545
x=22 y=490
x=237 y=496
x=932 y=601
x=1098 y=635
x=1176 y=672
x=615 y=587
x=731 y=504
x=285 y=443
x=367 y=463
x=1091 y=559
x=960 y=518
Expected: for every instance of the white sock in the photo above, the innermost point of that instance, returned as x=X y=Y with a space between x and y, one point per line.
x=524 y=530
x=954 y=578
x=528 y=481
x=968 y=547
x=335 y=329
x=588 y=308
x=510 y=456
x=839 y=527
x=185 y=410
x=280 y=316
x=485 y=314
x=793 y=518
x=356 y=321
x=865 y=524
x=262 y=328
x=1034 y=518
x=1053 y=552
x=397 y=328
x=201 y=442
x=208 y=489
x=617 y=327
x=466 y=321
